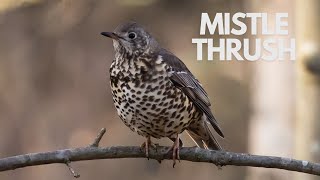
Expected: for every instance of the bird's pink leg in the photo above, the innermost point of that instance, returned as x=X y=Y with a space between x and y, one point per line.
x=175 y=150
x=146 y=146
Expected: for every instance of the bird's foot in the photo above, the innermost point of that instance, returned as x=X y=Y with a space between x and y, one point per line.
x=145 y=146
x=175 y=148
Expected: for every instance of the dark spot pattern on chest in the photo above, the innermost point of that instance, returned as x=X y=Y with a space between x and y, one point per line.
x=148 y=102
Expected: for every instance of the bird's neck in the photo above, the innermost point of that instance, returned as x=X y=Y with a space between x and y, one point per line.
x=130 y=64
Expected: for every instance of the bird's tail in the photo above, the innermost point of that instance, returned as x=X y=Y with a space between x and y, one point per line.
x=203 y=137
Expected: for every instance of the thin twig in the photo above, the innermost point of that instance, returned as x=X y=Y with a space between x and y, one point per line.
x=73 y=172
x=98 y=138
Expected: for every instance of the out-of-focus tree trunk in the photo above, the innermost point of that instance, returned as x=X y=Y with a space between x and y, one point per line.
x=307 y=144
x=272 y=94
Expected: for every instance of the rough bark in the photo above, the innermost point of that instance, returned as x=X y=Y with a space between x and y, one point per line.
x=194 y=154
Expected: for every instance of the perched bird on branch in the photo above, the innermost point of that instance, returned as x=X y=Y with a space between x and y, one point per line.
x=155 y=94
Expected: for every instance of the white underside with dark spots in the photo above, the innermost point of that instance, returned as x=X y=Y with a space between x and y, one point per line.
x=153 y=106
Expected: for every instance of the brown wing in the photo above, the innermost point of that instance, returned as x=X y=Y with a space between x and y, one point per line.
x=184 y=80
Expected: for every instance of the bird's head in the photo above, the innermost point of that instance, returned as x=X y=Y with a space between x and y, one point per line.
x=131 y=38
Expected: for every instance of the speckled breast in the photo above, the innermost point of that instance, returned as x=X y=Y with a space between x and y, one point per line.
x=147 y=101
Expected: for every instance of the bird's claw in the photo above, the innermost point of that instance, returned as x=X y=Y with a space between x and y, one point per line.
x=175 y=148
x=145 y=146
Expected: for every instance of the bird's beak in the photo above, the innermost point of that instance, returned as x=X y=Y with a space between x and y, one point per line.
x=111 y=35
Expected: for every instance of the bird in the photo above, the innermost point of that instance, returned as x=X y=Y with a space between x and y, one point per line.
x=156 y=95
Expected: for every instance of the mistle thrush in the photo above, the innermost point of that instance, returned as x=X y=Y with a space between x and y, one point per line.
x=154 y=92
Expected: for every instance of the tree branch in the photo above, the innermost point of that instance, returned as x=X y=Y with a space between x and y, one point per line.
x=194 y=154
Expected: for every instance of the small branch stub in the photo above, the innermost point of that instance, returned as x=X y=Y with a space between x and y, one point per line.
x=73 y=172
x=98 y=138
x=94 y=144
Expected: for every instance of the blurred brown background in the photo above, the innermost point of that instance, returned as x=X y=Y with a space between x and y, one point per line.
x=54 y=87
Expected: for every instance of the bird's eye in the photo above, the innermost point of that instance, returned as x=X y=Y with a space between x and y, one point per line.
x=132 y=35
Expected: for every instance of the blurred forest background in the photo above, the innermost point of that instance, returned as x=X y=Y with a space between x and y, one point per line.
x=54 y=86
